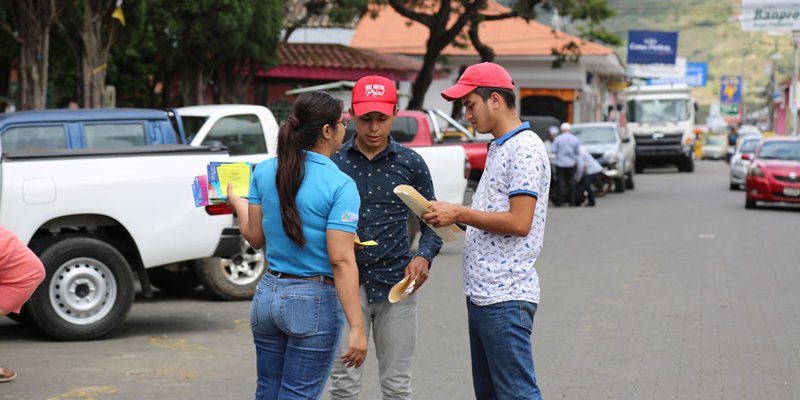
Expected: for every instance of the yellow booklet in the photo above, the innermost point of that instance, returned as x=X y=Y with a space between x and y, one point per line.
x=238 y=174
x=366 y=243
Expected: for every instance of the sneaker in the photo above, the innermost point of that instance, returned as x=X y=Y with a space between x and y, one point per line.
x=7 y=374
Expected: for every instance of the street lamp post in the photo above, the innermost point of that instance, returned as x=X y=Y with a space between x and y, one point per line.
x=793 y=88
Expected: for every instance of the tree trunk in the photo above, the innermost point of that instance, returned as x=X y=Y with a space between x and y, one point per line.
x=194 y=83
x=34 y=21
x=424 y=79
x=97 y=35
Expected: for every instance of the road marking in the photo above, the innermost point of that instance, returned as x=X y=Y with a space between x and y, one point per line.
x=86 y=393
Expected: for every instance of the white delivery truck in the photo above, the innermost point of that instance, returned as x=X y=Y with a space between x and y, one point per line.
x=661 y=119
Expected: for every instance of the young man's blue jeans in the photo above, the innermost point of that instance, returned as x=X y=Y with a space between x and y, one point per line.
x=296 y=326
x=500 y=344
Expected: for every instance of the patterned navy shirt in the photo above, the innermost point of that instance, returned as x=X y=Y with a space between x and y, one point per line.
x=383 y=216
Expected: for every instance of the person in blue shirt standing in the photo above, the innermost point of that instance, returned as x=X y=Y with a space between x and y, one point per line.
x=566 y=148
x=504 y=236
x=307 y=209
x=377 y=163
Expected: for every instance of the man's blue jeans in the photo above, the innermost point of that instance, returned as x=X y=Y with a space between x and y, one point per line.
x=296 y=326
x=500 y=344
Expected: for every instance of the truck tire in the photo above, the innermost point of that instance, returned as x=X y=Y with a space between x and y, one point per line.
x=232 y=278
x=174 y=278
x=87 y=291
x=686 y=165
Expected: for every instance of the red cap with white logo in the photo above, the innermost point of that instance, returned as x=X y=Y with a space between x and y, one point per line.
x=374 y=93
x=485 y=74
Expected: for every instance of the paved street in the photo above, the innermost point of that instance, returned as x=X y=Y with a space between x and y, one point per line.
x=670 y=291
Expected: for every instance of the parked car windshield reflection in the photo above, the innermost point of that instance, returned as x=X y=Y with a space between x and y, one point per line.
x=780 y=151
x=591 y=135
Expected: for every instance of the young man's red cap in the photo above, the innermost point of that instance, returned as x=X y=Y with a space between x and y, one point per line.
x=479 y=75
x=374 y=93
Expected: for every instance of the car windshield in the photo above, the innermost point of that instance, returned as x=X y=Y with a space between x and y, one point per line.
x=658 y=110
x=191 y=125
x=748 y=146
x=594 y=134
x=780 y=151
x=715 y=140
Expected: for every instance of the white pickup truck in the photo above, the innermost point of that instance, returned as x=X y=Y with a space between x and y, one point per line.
x=96 y=215
x=250 y=133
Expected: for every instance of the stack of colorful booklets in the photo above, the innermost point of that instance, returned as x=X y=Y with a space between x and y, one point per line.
x=212 y=188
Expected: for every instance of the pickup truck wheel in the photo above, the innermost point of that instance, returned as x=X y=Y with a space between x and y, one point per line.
x=23 y=317
x=174 y=278
x=233 y=278
x=87 y=290
x=686 y=166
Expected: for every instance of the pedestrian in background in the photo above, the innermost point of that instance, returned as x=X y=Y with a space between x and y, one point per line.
x=307 y=209
x=505 y=229
x=377 y=164
x=733 y=136
x=21 y=272
x=566 y=148
x=586 y=173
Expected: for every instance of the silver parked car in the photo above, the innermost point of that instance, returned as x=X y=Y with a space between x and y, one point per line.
x=741 y=159
x=612 y=147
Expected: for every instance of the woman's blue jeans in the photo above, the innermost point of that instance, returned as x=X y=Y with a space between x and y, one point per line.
x=500 y=345
x=296 y=326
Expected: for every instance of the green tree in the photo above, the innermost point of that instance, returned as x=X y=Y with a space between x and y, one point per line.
x=224 y=39
x=256 y=50
x=29 y=22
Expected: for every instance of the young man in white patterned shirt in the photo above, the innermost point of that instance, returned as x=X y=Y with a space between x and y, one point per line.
x=504 y=236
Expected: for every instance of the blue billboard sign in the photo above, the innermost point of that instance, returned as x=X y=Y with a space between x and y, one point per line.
x=652 y=47
x=696 y=75
x=730 y=91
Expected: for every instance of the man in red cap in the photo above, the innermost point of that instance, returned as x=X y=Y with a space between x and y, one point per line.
x=505 y=228
x=377 y=164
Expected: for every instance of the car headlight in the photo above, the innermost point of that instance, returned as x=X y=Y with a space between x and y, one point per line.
x=755 y=171
x=610 y=158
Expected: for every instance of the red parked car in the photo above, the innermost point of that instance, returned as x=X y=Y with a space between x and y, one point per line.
x=774 y=174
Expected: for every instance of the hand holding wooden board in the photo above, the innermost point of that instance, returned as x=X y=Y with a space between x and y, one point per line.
x=419 y=205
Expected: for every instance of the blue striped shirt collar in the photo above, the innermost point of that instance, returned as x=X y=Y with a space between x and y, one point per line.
x=525 y=126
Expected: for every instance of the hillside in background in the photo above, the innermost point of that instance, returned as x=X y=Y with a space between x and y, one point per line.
x=710 y=32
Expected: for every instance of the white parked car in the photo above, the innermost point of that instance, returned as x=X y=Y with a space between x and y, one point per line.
x=741 y=160
x=612 y=147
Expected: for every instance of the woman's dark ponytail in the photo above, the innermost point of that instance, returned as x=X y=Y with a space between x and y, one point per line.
x=309 y=114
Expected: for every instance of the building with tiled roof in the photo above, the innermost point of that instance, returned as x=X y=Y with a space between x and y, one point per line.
x=575 y=92
x=309 y=64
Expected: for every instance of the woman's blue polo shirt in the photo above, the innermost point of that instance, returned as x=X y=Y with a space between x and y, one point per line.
x=327 y=199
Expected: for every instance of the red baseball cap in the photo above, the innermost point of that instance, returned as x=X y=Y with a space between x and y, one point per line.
x=479 y=75
x=374 y=93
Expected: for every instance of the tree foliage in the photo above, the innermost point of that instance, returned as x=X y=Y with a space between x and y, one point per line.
x=29 y=23
x=468 y=14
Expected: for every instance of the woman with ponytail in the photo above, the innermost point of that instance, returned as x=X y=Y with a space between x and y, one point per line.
x=306 y=209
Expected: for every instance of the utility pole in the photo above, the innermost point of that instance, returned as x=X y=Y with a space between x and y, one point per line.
x=772 y=88
x=793 y=89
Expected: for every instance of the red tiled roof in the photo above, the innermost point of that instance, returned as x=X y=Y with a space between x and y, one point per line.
x=390 y=32
x=338 y=62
